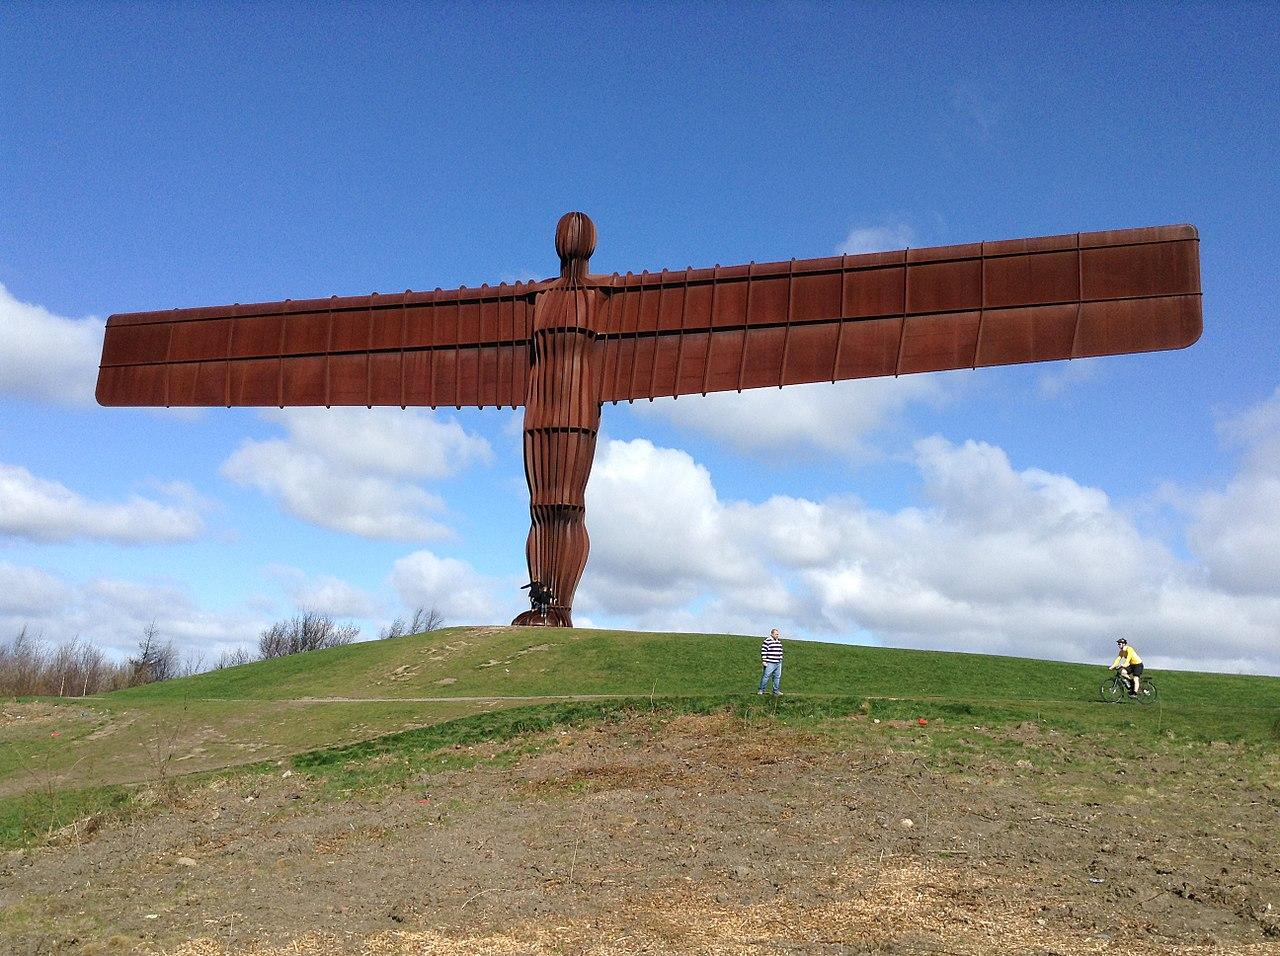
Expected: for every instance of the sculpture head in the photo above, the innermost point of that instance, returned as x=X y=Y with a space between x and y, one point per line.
x=575 y=242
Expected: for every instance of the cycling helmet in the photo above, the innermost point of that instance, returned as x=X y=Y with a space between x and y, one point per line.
x=1121 y=640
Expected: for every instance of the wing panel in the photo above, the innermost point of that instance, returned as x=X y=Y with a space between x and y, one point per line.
x=810 y=350
x=1029 y=334
x=995 y=303
x=464 y=347
x=1138 y=325
x=199 y=341
x=348 y=331
x=253 y=381
x=385 y=369
x=1023 y=279
x=133 y=344
x=303 y=382
x=944 y=286
x=931 y=343
x=867 y=349
x=1138 y=270
x=305 y=333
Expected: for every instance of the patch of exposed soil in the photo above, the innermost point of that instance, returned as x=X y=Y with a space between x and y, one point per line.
x=688 y=835
x=23 y=713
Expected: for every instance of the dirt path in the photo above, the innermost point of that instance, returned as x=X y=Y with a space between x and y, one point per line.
x=686 y=835
x=504 y=698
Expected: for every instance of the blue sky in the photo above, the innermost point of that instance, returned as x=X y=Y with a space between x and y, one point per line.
x=182 y=155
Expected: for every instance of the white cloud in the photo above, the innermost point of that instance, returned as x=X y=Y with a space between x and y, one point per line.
x=657 y=529
x=27 y=590
x=352 y=469
x=324 y=594
x=821 y=418
x=39 y=509
x=1000 y=560
x=400 y=443
x=1064 y=376
x=886 y=238
x=45 y=356
x=1236 y=531
x=454 y=588
x=309 y=488
x=112 y=612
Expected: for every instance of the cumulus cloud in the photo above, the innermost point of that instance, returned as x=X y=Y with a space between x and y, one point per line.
x=112 y=613
x=821 y=418
x=657 y=528
x=354 y=470
x=324 y=593
x=998 y=559
x=1064 y=376
x=27 y=590
x=884 y=238
x=456 y=589
x=1236 y=530
x=46 y=356
x=39 y=509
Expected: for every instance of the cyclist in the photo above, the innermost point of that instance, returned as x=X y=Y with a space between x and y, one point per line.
x=1130 y=666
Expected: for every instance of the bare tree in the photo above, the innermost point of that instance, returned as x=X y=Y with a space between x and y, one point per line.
x=233 y=658
x=62 y=670
x=93 y=669
x=75 y=668
x=309 y=631
x=423 y=620
x=157 y=660
x=22 y=663
x=190 y=663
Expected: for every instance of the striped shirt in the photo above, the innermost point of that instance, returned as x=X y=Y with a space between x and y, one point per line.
x=771 y=651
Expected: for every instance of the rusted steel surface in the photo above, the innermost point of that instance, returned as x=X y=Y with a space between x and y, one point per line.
x=457 y=347
x=563 y=346
x=678 y=333
x=561 y=421
x=896 y=313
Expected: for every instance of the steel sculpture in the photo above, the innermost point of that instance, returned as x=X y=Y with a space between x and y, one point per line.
x=563 y=346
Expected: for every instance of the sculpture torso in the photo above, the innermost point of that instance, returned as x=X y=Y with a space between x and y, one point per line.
x=564 y=382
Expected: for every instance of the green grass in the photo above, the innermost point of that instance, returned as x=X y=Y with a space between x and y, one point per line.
x=582 y=662
x=954 y=735
x=36 y=815
x=274 y=709
x=115 y=740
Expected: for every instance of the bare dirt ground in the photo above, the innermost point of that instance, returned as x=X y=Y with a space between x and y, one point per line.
x=683 y=835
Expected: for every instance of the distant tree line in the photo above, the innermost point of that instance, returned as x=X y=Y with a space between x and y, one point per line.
x=422 y=621
x=304 y=632
x=32 y=666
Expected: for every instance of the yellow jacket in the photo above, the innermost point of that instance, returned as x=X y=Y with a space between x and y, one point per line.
x=1128 y=657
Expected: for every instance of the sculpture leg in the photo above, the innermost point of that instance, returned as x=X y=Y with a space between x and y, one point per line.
x=557 y=465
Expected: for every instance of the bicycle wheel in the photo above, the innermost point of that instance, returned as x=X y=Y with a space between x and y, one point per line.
x=1148 y=693
x=1113 y=690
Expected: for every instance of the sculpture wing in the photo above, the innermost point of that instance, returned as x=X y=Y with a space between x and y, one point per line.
x=893 y=313
x=453 y=347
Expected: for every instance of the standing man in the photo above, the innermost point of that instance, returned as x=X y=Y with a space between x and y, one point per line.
x=771 y=660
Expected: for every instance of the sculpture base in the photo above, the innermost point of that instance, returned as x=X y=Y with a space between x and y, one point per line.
x=552 y=617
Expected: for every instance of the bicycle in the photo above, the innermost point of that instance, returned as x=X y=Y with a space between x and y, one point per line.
x=1115 y=690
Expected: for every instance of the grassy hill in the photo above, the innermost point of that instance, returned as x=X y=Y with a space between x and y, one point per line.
x=471 y=684
x=531 y=662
